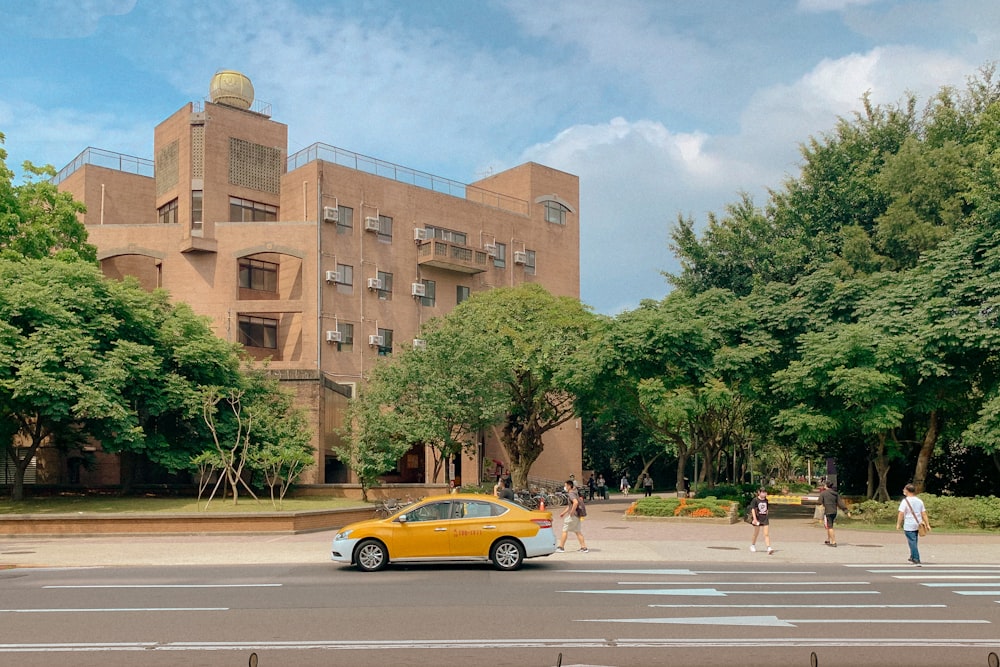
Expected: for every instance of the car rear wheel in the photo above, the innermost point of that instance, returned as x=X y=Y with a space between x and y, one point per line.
x=371 y=556
x=507 y=554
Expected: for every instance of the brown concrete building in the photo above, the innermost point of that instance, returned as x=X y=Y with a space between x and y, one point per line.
x=326 y=259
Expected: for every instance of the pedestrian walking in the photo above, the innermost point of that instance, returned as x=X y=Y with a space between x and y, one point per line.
x=574 y=512
x=913 y=519
x=591 y=487
x=647 y=485
x=759 y=518
x=624 y=485
x=831 y=502
x=602 y=487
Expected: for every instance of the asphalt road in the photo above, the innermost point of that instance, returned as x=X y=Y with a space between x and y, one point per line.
x=758 y=612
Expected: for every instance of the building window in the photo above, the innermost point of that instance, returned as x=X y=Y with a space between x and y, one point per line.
x=258 y=332
x=529 y=262
x=461 y=294
x=244 y=210
x=167 y=214
x=449 y=235
x=430 y=292
x=345 y=219
x=385 y=229
x=500 y=259
x=386 y=347
x=346 y=336
x=258 y=275
x=345 y=275
x=197 y=208
x=385 y=294
x=555 y=212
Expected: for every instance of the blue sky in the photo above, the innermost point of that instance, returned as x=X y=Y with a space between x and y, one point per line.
x=661 y=107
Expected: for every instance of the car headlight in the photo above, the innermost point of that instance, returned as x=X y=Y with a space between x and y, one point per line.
x=343 y=535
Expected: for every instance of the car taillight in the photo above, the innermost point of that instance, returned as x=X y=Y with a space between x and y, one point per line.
x=543 y=523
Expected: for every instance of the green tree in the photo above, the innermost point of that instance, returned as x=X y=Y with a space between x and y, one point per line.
x=36 y=220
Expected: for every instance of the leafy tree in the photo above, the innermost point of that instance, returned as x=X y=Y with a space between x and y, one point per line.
x=36 y=220
x=506 y=359
x=62 y=363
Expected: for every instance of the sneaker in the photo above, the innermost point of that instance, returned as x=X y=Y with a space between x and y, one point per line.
x=770 y=551
x=584 y=550
x=753 y=549
x=560 y=550
x=831 y=544
x=826 y=541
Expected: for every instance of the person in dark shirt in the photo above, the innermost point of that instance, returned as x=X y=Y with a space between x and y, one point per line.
x=506 y=493
x=831 y=502
x=758 y=509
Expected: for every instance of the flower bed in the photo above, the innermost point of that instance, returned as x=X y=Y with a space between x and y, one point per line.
x=684 y=508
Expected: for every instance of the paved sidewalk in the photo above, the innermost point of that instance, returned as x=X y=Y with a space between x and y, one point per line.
x=796 y=537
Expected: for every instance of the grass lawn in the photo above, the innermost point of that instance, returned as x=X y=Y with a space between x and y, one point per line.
x=151 y=504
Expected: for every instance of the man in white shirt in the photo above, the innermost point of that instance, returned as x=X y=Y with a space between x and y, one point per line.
x=911 y=514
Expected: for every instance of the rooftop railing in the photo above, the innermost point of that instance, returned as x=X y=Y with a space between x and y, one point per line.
x=102 y=158
x=370 y=165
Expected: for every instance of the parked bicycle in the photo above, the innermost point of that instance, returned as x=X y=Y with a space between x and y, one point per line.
x=387 y=507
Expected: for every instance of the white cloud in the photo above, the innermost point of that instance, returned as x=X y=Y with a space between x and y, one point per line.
x=831 y=5
x=59 y=19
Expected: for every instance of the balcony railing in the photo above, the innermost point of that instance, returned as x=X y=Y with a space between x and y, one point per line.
x=101 y=158
x=370 y=165
x=452 y=257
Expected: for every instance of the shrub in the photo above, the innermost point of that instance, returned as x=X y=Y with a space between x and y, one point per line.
x=945 y=511
x=679 y=507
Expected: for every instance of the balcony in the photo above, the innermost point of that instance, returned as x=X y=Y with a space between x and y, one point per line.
x=452 y=257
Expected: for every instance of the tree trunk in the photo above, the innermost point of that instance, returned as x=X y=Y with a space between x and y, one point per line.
x=882 y=467
x=870 y=491
x=926 y=451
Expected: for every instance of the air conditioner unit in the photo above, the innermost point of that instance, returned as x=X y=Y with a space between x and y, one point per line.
x=331 y=214
x=520 y=257
x=374 y=283
x=420 y=235
x=419 y=344
x=376 y=340
x=332 y=277
x=371 y=224
x=333 y=337
x=418 y=289
x=491 y=249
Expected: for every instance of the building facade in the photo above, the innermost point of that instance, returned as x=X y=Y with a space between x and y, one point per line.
x=324 y=260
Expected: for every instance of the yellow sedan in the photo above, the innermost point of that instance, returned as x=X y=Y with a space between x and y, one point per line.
x=459 y=527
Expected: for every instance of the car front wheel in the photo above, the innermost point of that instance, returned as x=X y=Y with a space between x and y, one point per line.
x=371 y=556
x=507 y=554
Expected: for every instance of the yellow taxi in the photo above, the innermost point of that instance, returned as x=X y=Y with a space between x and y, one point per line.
x=457 y=527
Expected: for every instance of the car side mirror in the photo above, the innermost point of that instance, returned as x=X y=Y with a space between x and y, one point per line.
x=402 y=518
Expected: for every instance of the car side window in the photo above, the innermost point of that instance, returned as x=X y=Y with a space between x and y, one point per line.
x=430 y=512
x=477 y=510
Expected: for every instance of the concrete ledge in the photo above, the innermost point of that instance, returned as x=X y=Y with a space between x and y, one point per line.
x=154 y=524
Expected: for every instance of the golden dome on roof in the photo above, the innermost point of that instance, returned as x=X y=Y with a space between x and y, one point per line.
x=231 y=88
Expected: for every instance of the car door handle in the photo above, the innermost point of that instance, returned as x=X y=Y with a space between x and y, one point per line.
x=489 y=527
x=440 y=530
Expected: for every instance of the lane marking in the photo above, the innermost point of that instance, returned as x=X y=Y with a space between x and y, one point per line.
x=978 y=592
x=713 y=592
x=774 y=621
x=109 y=609
x=950 y=576
x=689 y=572
x=168 y=586
x=982 y=566
x=967 y=584
x=494 y=644
x=747 y=583
x=801 y=606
